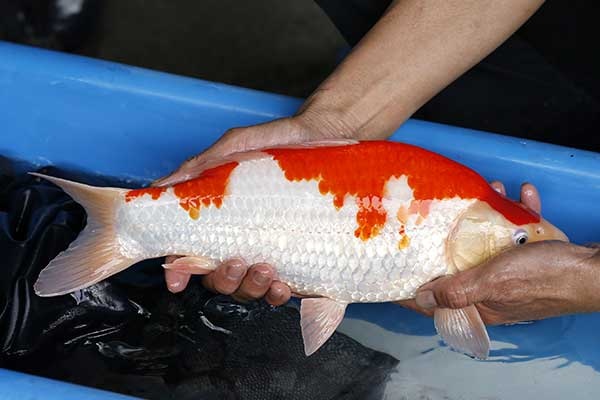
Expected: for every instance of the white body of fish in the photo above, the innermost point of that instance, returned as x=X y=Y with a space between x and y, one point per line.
x=266 y=218
x=267 y=213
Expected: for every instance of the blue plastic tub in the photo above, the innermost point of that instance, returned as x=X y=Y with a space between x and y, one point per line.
x=132 y=123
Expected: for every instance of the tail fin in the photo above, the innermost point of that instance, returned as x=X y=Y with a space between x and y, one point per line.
x=94 y=255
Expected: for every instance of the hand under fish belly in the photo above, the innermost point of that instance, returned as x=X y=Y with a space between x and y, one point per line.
x=343 y=222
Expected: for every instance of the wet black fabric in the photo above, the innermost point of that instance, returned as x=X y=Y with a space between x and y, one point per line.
x=542 y=84
x=129 y=334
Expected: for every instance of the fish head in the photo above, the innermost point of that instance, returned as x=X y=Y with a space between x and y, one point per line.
x=482 y=232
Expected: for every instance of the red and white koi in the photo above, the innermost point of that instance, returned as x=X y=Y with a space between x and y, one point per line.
x=341 y=222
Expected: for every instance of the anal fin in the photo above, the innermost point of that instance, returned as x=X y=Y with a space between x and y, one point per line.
x=463 y=330
x=319 y=318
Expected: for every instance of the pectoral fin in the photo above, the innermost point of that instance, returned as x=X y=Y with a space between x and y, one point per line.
x=192 y=265
x=319 y=317
x=463 y=330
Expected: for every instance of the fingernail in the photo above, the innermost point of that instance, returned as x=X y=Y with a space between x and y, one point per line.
x=261 y=277
x=235 y=271
x=426 y=299
x=278 y=293
x=174 y=284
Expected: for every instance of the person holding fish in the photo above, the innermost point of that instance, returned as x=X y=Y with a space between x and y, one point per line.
x=414 y=51
x=344 y=216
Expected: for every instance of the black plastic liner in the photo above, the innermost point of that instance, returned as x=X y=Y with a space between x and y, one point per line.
x=129 y=334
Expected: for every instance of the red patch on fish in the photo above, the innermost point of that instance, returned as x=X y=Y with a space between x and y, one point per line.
x=207 y=189
x=362 y=170
x=371 y=216
x=154 y=192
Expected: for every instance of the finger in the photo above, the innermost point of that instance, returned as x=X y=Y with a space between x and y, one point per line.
x=194 y=166
x=530 y=197
x=498 y=187
x=278 y=132
x=176 y=281
x=186 y=171
x=456 y=291
x=227 y=278
x=170 y=259
x=411 y=304
x=256 y=283
x=279 y=293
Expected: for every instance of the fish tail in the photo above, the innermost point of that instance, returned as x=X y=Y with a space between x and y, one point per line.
x=94 y=255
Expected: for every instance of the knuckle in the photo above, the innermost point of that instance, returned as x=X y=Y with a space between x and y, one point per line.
x=250 y=291
x=253 y=290
x=225 y=287
x=456 y=295
x=262 y=268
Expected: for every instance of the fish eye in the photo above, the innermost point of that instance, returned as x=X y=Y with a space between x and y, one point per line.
x=520 y=237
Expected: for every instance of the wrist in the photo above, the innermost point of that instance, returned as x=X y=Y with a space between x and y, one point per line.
x=587 y=274
x=328 y=120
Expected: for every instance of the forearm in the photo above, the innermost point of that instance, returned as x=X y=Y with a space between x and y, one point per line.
x=416 y=49
x=588 y=288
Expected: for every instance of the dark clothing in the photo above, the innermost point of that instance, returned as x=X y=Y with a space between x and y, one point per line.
x=542 y=83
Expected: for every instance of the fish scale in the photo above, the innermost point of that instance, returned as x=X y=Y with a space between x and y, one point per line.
x=263 y=220
x=341 y=221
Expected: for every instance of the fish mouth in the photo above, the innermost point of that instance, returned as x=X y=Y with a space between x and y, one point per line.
x=544 y=230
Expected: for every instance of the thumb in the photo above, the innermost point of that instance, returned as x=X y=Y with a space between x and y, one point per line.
x=232 y=141
x=451 y=291
x=273 y=133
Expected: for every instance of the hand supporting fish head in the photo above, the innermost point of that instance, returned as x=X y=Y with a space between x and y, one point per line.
x=483 y=231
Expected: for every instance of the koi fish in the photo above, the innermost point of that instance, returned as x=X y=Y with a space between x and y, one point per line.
x=342 y=221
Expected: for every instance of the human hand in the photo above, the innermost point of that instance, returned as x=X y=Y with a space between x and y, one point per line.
x=535 y=281
x=235 y=277
x=307 y=126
